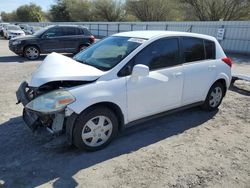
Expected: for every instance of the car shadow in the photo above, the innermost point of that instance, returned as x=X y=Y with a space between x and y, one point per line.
x=16 y=58
x=25 y=162
x=19 y=59
x=239 y=90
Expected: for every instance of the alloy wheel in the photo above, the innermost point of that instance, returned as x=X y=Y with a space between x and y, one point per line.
x=32 y=53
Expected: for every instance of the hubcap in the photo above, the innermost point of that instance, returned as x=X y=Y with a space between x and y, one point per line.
x=215 y=97
x=97 y=131
x=32 y=53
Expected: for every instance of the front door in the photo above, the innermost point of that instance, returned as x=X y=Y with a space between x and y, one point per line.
x=161 y=90
x=50 y=41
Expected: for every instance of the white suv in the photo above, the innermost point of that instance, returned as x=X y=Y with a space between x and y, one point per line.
x=122 y=79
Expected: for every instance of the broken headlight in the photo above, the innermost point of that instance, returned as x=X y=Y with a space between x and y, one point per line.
x=51 y=102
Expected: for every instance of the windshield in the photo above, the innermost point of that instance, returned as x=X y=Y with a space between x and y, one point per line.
x=40 y=31
x=107 y=53
x=13 y=27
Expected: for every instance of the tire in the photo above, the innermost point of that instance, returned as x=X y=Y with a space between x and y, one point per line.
x=95 y=128
x=214 y=97
x=82 y=47
x=31 y=52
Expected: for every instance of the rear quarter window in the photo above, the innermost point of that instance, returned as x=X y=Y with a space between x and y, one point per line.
x=209 y=49
x=86 y=32
x=69 y=31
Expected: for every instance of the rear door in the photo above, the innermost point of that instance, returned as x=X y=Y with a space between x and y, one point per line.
x=199 y=68
x=50 y=41
x=69 y=42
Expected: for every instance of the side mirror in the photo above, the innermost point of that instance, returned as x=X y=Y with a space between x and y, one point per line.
x=48 y=35
x=140 y=71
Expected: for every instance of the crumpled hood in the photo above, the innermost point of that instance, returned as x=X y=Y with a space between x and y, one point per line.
x=57 y=67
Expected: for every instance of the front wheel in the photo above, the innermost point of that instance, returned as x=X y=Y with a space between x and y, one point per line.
x=214 y=97
x=95 y=128
x=31 y=52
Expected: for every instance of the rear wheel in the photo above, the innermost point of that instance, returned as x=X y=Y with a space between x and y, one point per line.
x=214 y=97
x=31 y=52
x=94 y=129
x=82 y=47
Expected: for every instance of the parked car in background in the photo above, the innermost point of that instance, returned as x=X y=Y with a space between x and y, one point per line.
x=12 y=31
x=36 y=28
x=28 y=30
x=122 y=80
x=60 y=38
x=2 y=25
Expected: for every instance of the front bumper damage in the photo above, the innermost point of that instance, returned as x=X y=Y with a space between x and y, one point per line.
x=56 y=123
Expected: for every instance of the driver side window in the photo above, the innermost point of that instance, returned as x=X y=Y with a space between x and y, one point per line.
x=157 y=55
x=54 y=32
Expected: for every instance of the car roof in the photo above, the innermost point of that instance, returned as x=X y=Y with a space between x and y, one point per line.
x=81 y=26
x=13 y=25
x=149 y=34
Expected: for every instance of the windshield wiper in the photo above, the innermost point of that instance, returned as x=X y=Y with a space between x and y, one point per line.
x=80 y=61
x=86 y=63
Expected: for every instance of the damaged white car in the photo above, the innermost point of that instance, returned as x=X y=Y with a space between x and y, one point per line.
x=121 y=80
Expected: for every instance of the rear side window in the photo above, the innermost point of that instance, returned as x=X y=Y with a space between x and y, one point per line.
x=161 y=53
x=54 y=32
x=209 y=49
x=80 y=31
x=86 y=32
x=193 y=49
x=69 y=31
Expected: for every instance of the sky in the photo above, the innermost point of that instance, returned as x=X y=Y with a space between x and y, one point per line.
x=10 y=5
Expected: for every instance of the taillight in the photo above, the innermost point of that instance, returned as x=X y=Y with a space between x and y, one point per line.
x=92 y=39
x=228 y=61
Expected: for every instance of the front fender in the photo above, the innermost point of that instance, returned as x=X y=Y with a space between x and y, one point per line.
x=113 y=91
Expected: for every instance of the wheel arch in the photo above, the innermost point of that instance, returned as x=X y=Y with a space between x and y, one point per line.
x=223 y=82
x=112 y=106
x=224 y=79
x=70 y=121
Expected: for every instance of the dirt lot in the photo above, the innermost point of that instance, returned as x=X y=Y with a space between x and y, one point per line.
x=187 y=149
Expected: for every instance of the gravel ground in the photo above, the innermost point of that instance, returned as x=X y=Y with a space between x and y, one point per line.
x=191 y=148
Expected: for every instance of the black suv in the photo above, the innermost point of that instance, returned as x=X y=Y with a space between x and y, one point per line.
x=60 y=38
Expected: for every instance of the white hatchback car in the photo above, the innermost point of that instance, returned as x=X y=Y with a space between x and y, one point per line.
x=12 y=31
x=121 y=80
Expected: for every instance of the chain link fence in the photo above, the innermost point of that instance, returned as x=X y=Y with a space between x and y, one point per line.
x=234 y=36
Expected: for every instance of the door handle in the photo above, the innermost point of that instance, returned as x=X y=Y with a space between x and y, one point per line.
x=177 y=74
x=211 y=67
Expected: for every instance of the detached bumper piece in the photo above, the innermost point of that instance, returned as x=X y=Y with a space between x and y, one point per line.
x=31 y=119
x=22 y=95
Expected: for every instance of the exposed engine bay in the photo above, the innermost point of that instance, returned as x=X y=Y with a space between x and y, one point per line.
x=53 y=122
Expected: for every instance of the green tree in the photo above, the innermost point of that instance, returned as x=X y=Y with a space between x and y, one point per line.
x=79 y=10
x=8 y=17
x=214 y=10
x=151 y=10
x=108 y=10
x=59 y=12
x=29 y=13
